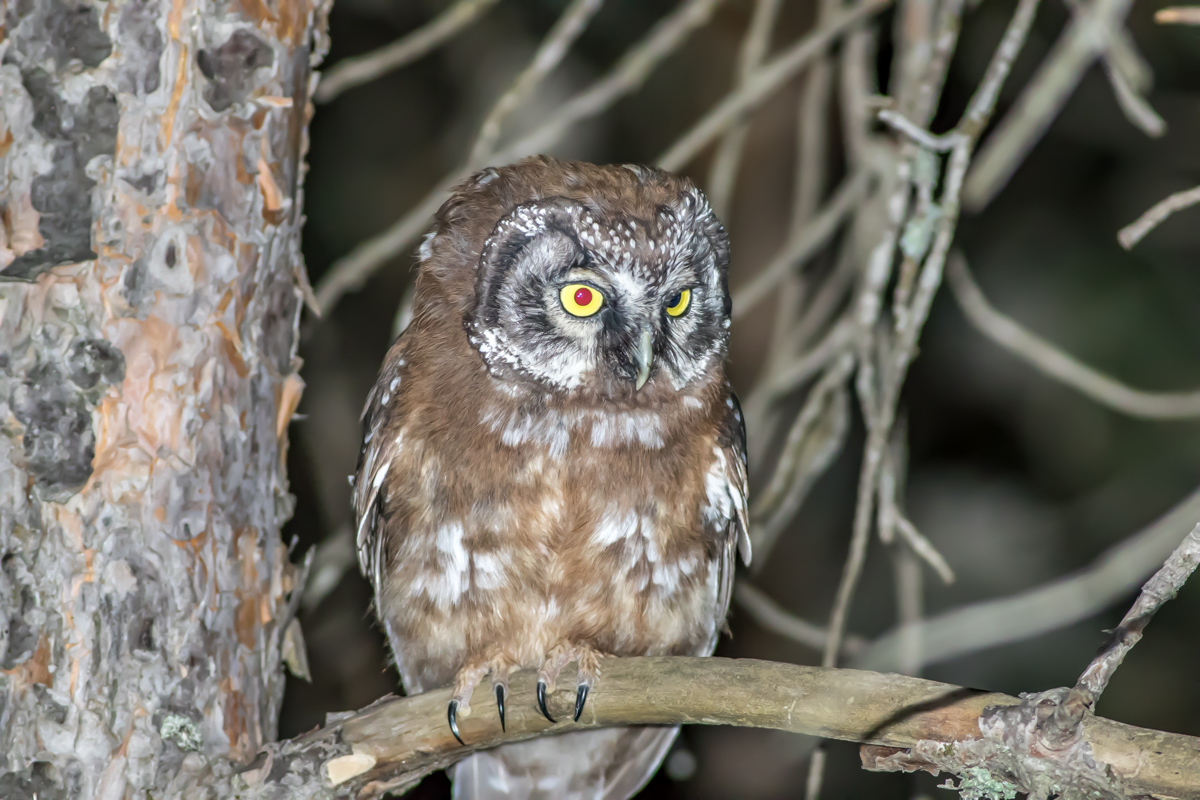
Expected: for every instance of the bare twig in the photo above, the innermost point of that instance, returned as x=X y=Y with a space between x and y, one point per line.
x=794 y=373
x=797 y=316
x=1129 y=75
x=627 y=76
x=939 y=144
x=808 y=186
x=923 y=548
x=803 y=244
x=350 y=271
x=334 y=557
x=1178 y=15
x=812 y=151
x=351 y=72
x=769 y=614
x=1059 y=728
x=724 y=170
x=910 y=607
x=1054 y=605
x=549 y=55
x=892 y=521
x=393 y=743
x=1042 y=98
x=1137 y=109
x=814 y=440
x=1134 y=232
x=1058 y=365
x=1165 y=584
x=774 y=74
x=880 y=409
x=906 y=567
x=882 y=363
x=832 y=294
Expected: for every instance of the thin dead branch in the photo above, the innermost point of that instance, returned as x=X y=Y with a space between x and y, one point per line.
x=892 y=522
x=879 y=404
x=1058 y=365
x=1061 y=602
x=352 y=270
x=796 y=372
x=549 y=55
x=1043 y=97
x=813 y=441
x=1134 y=232
x=805 y=243
x=766 y=80
x=1163 y=586
x=351 y=72
x=1041 y=746
x=1129 y=75
x=626 y=77
x=1178 y=15
x=728 y=157
x=778 y=620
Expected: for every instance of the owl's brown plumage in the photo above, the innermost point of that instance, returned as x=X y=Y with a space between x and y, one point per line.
x=523 y=500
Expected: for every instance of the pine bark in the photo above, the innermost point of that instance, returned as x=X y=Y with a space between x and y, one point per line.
x=151 y=163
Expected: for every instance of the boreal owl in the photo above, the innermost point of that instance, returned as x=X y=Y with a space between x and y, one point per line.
x=553 y=464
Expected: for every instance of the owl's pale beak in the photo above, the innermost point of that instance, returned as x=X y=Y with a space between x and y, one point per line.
x=645 y=355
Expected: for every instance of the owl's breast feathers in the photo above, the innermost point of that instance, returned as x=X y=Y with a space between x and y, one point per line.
x=491 y=517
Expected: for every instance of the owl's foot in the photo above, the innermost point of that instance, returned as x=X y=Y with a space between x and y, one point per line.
x=495 y=664
x=559 y=656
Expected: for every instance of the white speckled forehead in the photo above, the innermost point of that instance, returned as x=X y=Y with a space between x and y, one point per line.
x=652 y=249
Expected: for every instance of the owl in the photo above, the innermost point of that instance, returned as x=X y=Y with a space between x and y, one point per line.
x=553 y=465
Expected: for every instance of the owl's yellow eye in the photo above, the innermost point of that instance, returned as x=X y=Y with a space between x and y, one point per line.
x=580 y=300
x=679 y=303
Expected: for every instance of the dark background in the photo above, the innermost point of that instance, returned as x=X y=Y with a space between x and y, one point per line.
x=1015 y=478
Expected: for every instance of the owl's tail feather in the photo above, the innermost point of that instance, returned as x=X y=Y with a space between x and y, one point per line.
x=596 y=765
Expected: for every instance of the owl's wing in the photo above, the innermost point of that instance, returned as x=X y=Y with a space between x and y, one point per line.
x=727 y=491
x=378 y=452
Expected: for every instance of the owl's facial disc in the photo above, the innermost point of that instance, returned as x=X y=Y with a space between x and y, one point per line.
x=571 y=304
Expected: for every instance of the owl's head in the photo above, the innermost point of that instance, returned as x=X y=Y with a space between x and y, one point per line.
x=607 y=281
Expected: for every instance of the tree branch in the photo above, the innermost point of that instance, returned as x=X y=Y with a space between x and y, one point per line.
x=351 y=72
x=763 y=82
x=1051 y=606
x=1135 y=231
x=1084 y=40
x=1178 y=15
x=773 y=617
x=1165 y=584
x=755 y=43
x=352 y=270
x=1057 y=364
x=549 y=55
x=393 y=743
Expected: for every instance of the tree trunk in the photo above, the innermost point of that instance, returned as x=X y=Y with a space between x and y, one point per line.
x=151 y=156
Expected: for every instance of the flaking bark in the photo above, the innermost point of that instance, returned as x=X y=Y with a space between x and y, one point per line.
x=151 y=155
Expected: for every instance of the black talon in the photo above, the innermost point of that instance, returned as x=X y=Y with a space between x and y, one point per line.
x=580 y=698
x=541 y=694
x=452 y=715
x=500 y=703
